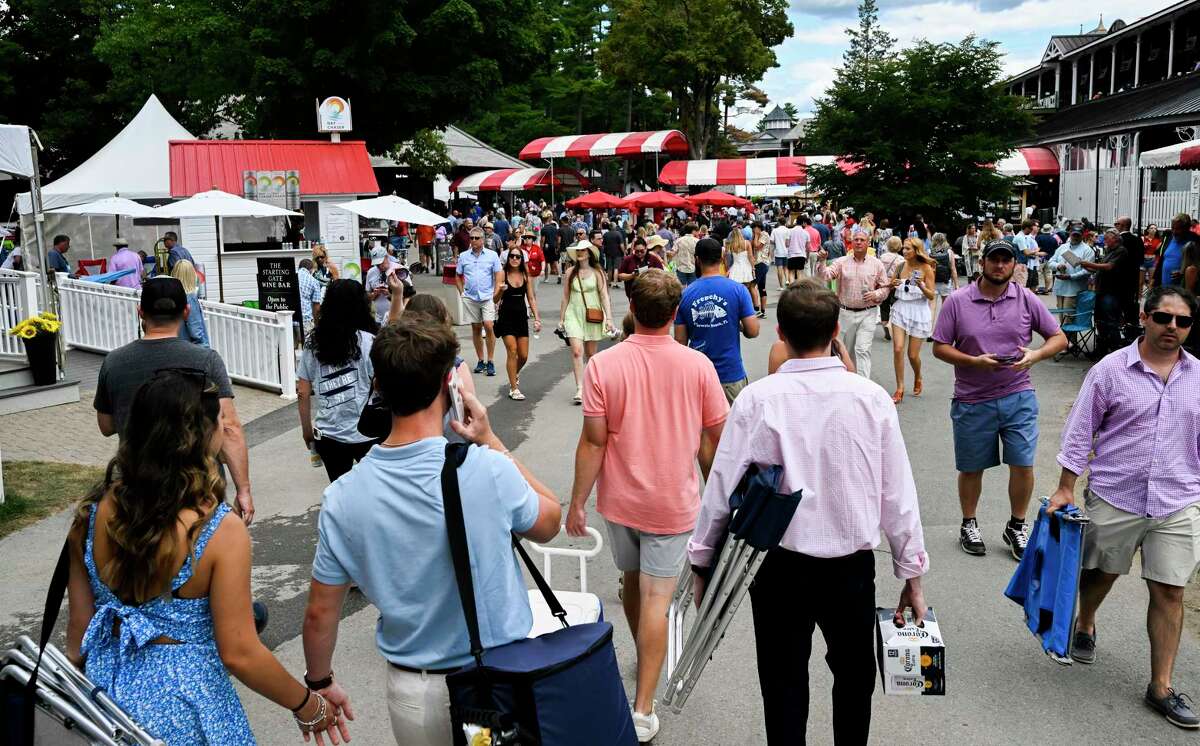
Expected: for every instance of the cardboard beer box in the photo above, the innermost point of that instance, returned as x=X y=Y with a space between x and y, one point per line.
x=912 y=659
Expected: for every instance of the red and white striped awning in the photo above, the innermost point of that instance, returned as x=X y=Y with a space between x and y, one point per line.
x=518 y=179
x=1029 y=162
x=588 y=147
x=789 y=170
x=1179 y=155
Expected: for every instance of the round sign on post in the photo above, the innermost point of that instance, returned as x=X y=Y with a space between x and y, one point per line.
x=333 y=115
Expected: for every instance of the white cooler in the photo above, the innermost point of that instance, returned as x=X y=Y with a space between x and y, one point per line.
x=581 y=607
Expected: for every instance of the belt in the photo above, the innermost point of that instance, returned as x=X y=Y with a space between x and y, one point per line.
x=435 y=671
x=864 y=308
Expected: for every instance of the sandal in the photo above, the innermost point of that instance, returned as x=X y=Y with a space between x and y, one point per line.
x=516 y=395
x=918 y=387
x=898 y=396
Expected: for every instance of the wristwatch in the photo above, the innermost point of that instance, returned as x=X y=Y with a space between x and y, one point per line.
x=324 y=683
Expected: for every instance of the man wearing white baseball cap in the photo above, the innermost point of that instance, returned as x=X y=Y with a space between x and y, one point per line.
x=377 y=284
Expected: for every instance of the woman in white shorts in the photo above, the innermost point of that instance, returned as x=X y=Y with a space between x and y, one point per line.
x=911 y=318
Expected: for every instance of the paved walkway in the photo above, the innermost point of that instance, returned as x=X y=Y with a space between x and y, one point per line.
x=1001 y=688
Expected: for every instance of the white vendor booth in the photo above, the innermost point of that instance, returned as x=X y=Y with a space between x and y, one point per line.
x=306 y=176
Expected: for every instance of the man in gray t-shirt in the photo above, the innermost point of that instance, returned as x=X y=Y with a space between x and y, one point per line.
x=163 y=308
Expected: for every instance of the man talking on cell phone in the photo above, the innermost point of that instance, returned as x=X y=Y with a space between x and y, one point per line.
x=984 y=331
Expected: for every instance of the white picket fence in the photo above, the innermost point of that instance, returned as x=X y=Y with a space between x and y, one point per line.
x=18 y=301
x=257 y=346
x=1161 y=207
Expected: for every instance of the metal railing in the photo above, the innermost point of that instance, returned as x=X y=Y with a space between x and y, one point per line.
x=256 y=346
x=18 y=301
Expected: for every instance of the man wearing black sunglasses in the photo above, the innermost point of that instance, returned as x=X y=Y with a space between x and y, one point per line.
x=1138 y=413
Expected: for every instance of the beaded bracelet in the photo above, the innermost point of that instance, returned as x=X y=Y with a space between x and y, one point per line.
x=308 y=725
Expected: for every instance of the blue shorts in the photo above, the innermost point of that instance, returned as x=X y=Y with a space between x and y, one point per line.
x=685 y=278
x=980 y=428
x=781 y=262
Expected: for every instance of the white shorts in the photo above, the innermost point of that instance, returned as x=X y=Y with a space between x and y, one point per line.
x=419 y=707
x=478 y=311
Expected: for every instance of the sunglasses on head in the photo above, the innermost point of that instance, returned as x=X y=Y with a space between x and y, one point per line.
x=1163 y=319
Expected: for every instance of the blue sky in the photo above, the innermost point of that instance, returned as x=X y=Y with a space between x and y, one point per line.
x=1023 y=27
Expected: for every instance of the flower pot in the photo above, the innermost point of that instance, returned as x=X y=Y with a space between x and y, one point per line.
x=41 y=354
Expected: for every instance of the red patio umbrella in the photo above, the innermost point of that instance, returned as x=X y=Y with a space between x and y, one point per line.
x=659 y=199
x=596 y=201
x=720 y=199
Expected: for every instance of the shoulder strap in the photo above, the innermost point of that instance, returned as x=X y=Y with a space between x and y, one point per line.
x=460 y=553
x=54 y=599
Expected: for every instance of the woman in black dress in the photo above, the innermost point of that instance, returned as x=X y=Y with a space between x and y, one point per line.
x=512 y=318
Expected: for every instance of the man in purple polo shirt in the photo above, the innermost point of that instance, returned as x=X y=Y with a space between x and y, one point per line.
x=1139 y=414
x=984 y=331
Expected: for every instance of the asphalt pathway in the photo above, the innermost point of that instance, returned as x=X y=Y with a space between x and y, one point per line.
x=1000 y=689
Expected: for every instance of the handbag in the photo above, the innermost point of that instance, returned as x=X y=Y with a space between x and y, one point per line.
x=591 y=315
x=18 y=701
x=561 y=688
x=375 y=419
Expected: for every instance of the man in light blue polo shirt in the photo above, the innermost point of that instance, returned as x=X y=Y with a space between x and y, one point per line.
x=479 y=271
x=382 y=527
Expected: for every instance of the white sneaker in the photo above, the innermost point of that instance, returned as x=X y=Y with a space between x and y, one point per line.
x=645 y=726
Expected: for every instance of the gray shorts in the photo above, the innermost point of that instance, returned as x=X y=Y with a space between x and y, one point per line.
x=656 y=555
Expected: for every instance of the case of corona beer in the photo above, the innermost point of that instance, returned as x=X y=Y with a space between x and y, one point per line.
x=912 y=659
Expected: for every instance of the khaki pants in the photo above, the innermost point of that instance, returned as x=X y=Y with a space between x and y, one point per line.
x=419 y=707
x=735 y=388
x=1066 y=302
x=858 y=331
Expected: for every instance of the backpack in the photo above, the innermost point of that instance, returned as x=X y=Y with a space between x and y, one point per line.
x=942 y=274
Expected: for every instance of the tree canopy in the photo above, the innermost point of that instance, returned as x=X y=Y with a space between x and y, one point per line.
x=923 y=127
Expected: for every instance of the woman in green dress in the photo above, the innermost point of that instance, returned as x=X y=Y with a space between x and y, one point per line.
x=585 y=292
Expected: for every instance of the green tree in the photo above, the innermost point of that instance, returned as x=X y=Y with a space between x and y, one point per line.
x=425 y=154
x=686 y=49
x=921 y=141
x=55 y=83
x=869 y=43
x=793 y=113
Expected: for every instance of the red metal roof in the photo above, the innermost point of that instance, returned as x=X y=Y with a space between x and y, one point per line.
x=325 y=167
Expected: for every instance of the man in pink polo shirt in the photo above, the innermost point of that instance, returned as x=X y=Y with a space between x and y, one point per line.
x=641 y=440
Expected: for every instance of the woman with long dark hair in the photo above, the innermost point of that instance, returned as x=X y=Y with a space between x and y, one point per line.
x=515 y=300
x=159 y=590
x=336 y=366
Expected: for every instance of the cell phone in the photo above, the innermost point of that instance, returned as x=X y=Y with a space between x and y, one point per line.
x=1006 y=359
x=457 y=410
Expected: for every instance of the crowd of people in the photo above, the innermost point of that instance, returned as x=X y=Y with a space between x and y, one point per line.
x=160 y=592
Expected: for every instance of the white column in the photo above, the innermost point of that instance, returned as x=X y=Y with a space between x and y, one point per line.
x=1039 y=86
x=1074 y=82
x=1091 y=76
x=1057 y=86
x=1112 y=72
x=287 y=355
x=1171 y=50
x=1137 y=63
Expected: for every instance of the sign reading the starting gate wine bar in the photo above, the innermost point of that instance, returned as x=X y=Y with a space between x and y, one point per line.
x=278 y=285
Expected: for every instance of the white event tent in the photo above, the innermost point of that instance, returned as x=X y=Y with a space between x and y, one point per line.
x=135 y=165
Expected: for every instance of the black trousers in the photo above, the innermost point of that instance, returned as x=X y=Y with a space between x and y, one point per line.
x=340 y=457
x=792 y=594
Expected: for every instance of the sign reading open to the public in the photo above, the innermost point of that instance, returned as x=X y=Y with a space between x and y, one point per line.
x=278 y=285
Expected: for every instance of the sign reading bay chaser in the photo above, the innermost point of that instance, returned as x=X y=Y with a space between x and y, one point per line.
x=278 y=285
x=333 y=115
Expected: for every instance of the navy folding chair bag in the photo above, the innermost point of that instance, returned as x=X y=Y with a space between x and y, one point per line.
x=1046 y=582
x=563 y=687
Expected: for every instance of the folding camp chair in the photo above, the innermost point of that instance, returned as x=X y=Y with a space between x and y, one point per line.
x=581 y=607
x=70 y=709
x=760 y=515
x=1081 y=330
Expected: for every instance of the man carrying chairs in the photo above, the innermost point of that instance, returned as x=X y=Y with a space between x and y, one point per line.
x=833 y=440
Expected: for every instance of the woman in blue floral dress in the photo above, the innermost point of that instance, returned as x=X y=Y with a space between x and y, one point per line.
x=160 y=581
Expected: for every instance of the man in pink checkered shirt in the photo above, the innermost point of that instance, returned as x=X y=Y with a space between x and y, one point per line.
x=1139 y=414
x=806 y=417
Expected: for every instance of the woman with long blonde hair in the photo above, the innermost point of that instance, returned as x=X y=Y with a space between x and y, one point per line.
x=911 y=318
x=159 y=610
x=193 y=328
x=585 y=296
x=741 y=265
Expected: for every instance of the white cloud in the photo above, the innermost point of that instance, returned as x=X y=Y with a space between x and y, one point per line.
x=1023 y=28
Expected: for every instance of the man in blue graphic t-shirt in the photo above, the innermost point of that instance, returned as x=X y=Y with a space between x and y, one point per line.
x=713 y=311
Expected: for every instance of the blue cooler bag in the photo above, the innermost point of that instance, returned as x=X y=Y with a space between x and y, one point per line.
x=561 y=688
